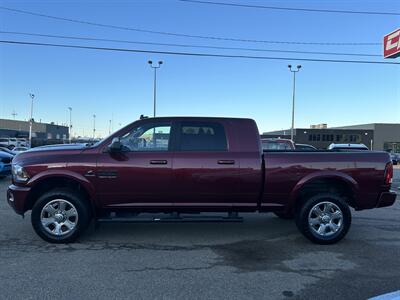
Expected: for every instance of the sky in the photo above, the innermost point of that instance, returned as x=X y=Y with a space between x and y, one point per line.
x=118 y=86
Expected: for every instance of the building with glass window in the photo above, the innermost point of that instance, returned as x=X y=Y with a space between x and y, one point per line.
x=376 y=136
x=41 y=132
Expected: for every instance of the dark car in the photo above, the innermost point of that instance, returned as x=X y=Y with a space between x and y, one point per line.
x=305 y=147
x=191 y=165
x=5 y=164
x=395 y=157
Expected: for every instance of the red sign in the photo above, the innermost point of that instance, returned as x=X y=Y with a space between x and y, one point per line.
x=391 y=44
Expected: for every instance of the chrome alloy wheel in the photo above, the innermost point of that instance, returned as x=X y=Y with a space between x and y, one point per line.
x=325 y=219
x=59 y=217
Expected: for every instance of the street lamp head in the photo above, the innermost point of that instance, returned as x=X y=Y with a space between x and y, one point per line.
x=299 y=67
x=160 y=62
x=289 y=66
x=31 y=95
x=150 y=62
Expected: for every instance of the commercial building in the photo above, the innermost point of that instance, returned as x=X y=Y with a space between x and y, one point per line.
x=42 y=133
x=386 y=135
x=377 y=136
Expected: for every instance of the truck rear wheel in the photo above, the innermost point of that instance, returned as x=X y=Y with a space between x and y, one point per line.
x=324 y=218
x=60 y=216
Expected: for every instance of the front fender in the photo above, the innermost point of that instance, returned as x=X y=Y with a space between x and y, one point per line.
x=36 y=179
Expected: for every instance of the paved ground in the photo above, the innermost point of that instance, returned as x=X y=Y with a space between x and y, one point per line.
x=264 y=257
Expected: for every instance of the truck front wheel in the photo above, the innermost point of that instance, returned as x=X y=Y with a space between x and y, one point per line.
x=324 y=218
x=60 y=216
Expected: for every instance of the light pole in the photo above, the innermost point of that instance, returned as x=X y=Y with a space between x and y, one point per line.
x=14 y=114
x=109 y=128
x=70 y=124
x=94 y=126
x=293 y=100
x=155 y=67
x=31 y=120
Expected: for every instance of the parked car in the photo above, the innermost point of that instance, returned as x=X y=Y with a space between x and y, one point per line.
x=11 y=143
x=6 y=150
x=19 y=149
x=305 y=147
x=22 y=142
x=5 y=164
x=347 y=147
x=193 y=165
x=277 y=144
x=395 y=157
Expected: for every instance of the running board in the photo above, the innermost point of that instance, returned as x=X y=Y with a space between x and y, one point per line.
x=172 y=218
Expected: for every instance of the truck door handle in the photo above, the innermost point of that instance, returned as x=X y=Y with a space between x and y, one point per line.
x=226 y=162
x=90 y=173
x=158 y=162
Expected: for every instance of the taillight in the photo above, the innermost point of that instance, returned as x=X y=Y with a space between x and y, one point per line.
x=389 y=173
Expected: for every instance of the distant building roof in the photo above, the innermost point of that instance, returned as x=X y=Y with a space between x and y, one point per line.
x=24 y=125
x=370 y=126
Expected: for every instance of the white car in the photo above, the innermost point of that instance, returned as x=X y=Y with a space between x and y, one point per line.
x=348 y=147
x=12 y=143
x=22 y=142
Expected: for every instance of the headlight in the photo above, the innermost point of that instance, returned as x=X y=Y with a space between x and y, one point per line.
x=19 y=173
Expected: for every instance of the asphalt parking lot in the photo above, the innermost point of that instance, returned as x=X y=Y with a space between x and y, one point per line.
x=263 y=257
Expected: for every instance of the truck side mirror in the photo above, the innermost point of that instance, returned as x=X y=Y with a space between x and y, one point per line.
x=115 y=145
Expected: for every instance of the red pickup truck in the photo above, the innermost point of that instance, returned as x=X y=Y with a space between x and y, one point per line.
x=179 y=165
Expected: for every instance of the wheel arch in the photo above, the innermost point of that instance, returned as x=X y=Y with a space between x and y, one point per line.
x=324 y=182
x=50 y=180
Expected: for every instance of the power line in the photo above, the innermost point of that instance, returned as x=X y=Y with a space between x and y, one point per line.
x=294 y=9
x=186 y=45
x=182 y=34
x=198 y=54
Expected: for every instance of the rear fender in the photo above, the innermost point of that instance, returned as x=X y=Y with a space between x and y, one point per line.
x=335 y=175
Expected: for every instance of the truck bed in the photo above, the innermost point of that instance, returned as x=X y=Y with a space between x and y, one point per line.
x=288 y=171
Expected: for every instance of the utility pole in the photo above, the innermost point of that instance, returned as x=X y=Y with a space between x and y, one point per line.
x=70 y=124
x=293 y=100
x=109 y=128
x=94 y=126
x=31 y=120
x=155 y=67
x=14 y=114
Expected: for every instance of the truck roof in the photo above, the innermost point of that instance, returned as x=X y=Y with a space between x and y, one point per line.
x=197 y=118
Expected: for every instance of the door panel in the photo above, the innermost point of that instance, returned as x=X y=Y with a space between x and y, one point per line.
x=202 y=181
x=205 y=172
x=140 y=172
x=133 y=179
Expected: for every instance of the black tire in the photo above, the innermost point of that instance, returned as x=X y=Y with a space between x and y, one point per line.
x=82 y=209
x=302 y=219
x=284 y=215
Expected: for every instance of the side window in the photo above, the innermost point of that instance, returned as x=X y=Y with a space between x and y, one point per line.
x=149 y=137
x=202 y=136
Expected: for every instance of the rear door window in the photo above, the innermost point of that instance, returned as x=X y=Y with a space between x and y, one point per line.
x=202 y=136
